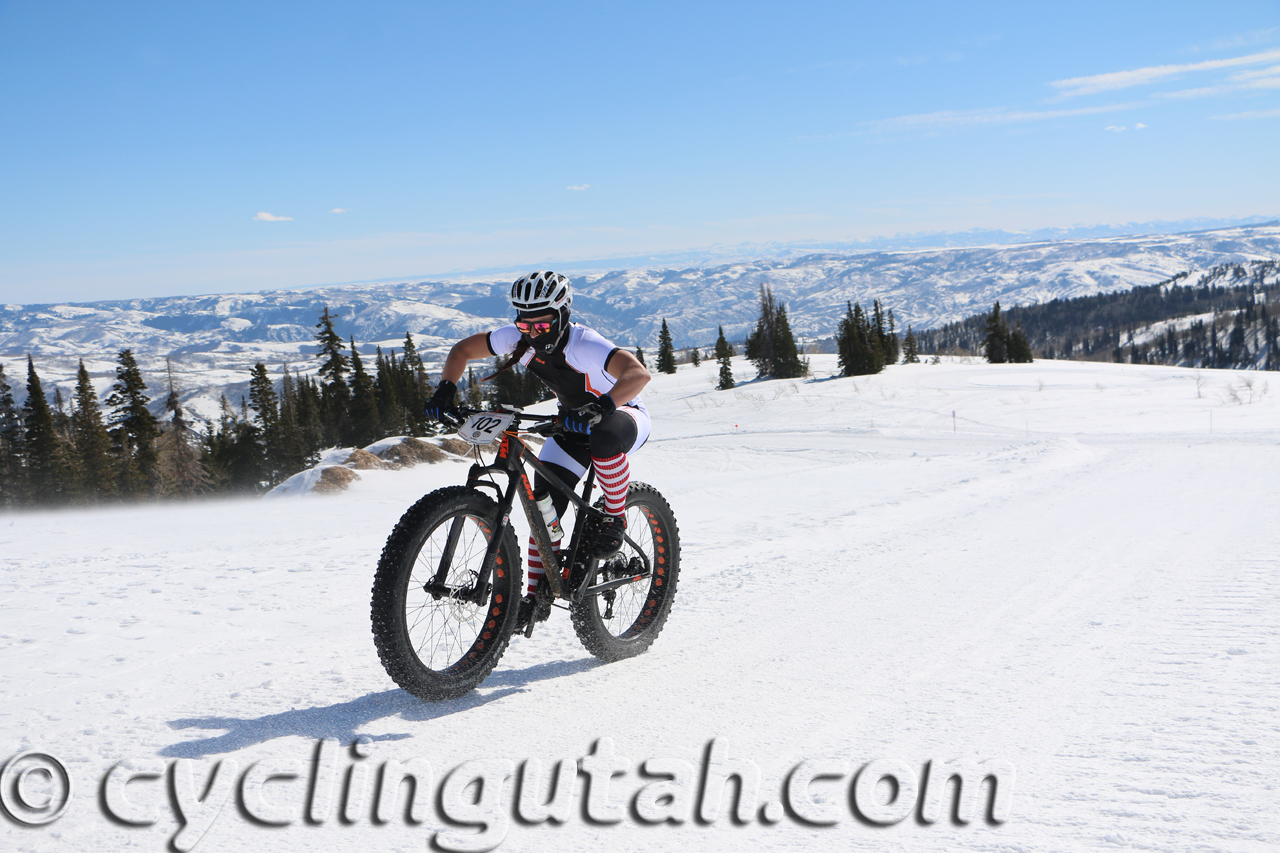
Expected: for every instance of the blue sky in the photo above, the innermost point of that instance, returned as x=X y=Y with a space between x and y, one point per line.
x=152 y=149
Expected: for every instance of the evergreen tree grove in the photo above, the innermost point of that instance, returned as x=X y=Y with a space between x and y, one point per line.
x=771 y=347
x=1019 y=349
x=860 y=353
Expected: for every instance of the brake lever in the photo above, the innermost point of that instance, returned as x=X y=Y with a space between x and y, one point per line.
x=546 y=428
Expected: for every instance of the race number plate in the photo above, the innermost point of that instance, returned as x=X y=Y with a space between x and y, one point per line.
x=485 y=427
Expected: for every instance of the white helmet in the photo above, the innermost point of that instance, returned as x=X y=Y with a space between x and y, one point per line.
x=540 y=292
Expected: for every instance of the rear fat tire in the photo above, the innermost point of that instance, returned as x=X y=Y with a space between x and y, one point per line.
x=639 y=610
x=443 y=648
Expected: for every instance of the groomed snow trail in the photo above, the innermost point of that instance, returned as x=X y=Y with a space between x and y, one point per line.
x=1056 y=565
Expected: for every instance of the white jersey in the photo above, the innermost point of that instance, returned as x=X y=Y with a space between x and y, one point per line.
x=577 y=372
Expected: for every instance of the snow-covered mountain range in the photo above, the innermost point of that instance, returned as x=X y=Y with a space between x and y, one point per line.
x=214 y=340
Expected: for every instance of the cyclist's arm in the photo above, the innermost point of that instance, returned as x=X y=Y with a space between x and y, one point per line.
x=629 y=374
x=467 y=349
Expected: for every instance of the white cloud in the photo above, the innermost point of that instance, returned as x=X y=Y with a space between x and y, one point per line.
x=1139 y=126
x=1202 y=92
x=263 y=216
x=1245 y=76
x=947 y=119
x=1242 y=40
x=1111 y=81
x=1241 y=81
x=579 y=187
x=1251 y=114
x=1117 y=128
x=340 y=210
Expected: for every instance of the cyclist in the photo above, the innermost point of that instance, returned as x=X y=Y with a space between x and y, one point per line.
x=597 y=385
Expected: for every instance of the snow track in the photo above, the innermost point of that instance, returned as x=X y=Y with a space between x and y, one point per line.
x=1072 y=575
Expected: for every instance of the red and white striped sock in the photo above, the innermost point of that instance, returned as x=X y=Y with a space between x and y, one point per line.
x=613 y=474
x=536 y=569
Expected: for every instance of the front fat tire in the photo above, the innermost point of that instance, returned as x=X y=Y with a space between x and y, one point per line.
x=639 y=610
x=443 y=648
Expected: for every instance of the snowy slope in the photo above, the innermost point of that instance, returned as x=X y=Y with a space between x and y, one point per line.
x=1067 y=567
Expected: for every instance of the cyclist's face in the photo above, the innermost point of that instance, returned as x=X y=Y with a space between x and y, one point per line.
x=536 y=327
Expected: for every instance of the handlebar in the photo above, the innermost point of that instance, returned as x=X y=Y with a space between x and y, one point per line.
x=544 y=425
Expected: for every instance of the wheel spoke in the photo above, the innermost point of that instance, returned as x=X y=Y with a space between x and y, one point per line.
x=622 y=621
x=443 y=630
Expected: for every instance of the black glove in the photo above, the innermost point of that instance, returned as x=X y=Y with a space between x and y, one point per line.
x=582 y=420
x=440 y=407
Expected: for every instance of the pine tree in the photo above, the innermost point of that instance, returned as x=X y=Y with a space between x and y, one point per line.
x=1272 y=336
x=640 y=355
x=910 y=348
x=723 y=349
x=472 y=394
x=47 y=468
x=666 y=352
x=133 y=428
x=93 y=451
x=1019 y=349
x=879 y=334
x=239 y=443
x=263 y=399
x=418 y=388
x=771 y=347
x=266 y=420
x=760 y=342
x=366 y=420
x=856 y=342
x=790 y=363
x=181 y=472
x=515 y=386
x=844 y=342
x=293 y=454
x=61 y=418
x=389 y=384
x=995 y=346
x=892 y=346
x=309 y=406
x=695 y=357
x=335 y=393
x=219 y=447
x=12 y=492
x=332 y=355
x=724 y=355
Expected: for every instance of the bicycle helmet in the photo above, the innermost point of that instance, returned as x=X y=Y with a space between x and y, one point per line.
x=539 y=293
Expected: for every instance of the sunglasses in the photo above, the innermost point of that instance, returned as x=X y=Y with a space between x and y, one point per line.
x=533 y=330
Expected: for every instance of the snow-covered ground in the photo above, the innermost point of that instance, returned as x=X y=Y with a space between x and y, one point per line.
x=1069 y=571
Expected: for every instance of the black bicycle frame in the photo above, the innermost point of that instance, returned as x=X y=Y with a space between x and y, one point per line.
x=512 y=456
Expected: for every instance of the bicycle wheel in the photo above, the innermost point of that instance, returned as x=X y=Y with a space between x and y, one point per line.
x=434 y=640
x=624 y=621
